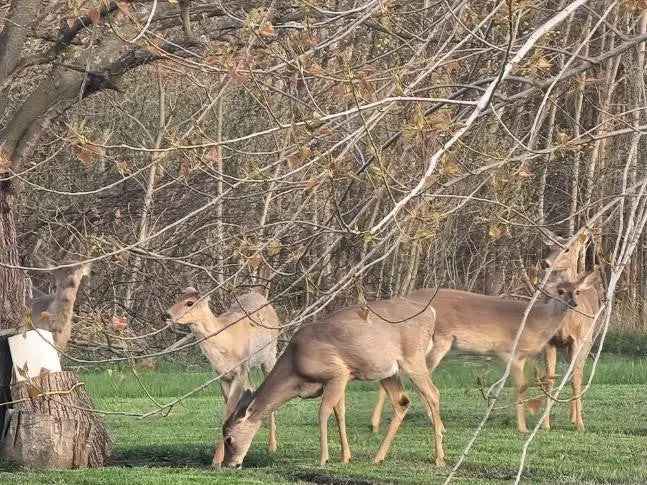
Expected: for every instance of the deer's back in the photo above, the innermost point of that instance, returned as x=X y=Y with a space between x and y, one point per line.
x=256 y=328
x=369 y=346
x=485 y=323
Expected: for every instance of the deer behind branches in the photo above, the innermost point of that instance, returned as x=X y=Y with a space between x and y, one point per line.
x=577 y=332
x=374 y=343
x=242 y=338
x=54 y=311
x=485 y=324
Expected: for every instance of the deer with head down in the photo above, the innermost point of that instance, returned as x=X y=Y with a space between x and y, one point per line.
x=54 y=311
x=234 y=342
x=485 y=324
x=376 y=342
x=576 y=333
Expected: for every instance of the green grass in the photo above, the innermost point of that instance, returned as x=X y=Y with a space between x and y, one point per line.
x=177 y=449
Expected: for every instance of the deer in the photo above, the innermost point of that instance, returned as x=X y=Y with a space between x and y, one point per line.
x=373 y=342
x=234 y=342
x=54 y=311
x=576 y=334
x=484 y=324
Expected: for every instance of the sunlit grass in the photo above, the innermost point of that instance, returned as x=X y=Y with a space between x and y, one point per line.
x=177 y=448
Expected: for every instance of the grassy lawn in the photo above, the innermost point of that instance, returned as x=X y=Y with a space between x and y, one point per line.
x=176 y=449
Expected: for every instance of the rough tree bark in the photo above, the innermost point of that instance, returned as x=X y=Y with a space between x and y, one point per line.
x=53 y=426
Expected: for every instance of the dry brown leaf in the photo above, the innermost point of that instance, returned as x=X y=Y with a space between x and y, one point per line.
x=274 y=247
x=88 y=154
x=311 y=184
x=119 y=324
x=254 y=261
x=94 y=15
x=267 y=30
x=33 y=391
x=214 y=155
x=496 y=231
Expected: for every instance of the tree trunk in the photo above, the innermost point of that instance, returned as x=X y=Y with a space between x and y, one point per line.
x=52 y=425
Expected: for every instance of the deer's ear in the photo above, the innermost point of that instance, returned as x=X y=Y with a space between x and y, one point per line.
x=190 y=291
x=585 y=236
x=589 y=280
x=242 y=407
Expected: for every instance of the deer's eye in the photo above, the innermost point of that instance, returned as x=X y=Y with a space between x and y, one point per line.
x=567 y=250
x=560 y=291
x=228 y=441
x=189 y=303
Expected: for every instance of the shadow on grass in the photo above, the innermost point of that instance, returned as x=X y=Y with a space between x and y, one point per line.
x=194 y=455
x=188 y=455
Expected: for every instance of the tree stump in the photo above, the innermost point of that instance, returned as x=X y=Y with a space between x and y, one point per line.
x=52 y=425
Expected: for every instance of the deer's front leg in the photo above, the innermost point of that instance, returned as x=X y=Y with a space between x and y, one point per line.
x=551 y=367
x=219 y=450
x=521 y=386
x=579 y=353
x=333 y=391
x=231 y=393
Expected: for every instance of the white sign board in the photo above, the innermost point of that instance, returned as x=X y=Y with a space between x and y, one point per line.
x=34 y=352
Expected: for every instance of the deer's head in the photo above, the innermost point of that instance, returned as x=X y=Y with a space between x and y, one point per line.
x=560 y=288
x=563 y=257
x=70 y=277
x=239 y=431
x=189 y=307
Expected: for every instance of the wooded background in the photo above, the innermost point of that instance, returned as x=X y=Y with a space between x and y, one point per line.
x=341 y=149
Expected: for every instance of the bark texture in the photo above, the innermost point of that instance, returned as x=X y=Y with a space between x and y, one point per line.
x=52 y=425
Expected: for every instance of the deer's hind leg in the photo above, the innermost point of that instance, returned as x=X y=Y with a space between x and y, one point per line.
x=376 y=417
x=272 y=440
x=400 y=402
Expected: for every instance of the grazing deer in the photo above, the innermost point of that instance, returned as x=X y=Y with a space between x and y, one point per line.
x=234 y=342
x=373 y=343
x=488 y=325
x=576 y=333
x=54 y=312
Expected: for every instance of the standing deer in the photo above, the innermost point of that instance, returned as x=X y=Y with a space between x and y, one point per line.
x=488 y=325
x=54 y=312
x=353 y=343
x=576 y=333
x=234 y=342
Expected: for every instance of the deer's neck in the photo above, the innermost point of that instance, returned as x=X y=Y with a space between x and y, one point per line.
x=217 y=344
x=280 y=386
x=61 y=307
x=548 y=317
x=206 y=324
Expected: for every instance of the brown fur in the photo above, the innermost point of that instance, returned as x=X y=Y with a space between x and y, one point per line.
x=576 y=335
x=54 y=312
x=246 y=332
x=323 y=357
x=488 y=325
